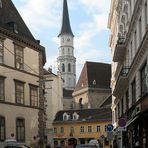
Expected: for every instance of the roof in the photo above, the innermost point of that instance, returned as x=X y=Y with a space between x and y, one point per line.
x=94 y=75
x=107 y=102
x=101 y=114
x=10 y=15
x=67 y=93
x=66 y=28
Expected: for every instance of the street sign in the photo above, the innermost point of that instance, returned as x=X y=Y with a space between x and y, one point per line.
x=121 y=129
x=122 y=122
x=110 y=136
x=109 y=127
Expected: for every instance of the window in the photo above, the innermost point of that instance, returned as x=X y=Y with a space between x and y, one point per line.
x=133 y=92
x=145 y=13
x=2 y=128
x=55 y=130
x=127 y=99
x=98 y=128
x=82 y=129
x=62 y=130
x=140 y=29
x=1 y=51
x=19 y=92
x=144 y=74
x=71 y=130
x=20 y=130
x=33 y=95
x=89 y=129
x=80 y=103
x=69 y=67
x=63 y=67
x=1 y=89
x=122 y=106
x=105 y=128
x=19 y=55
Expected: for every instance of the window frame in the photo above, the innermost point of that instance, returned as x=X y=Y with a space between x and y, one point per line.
x=20 y=57
x=98 y=128
x=2 y=79
x=2 y=125
x=2 y=50
x=20 y=137
x=133 y=86
x=34 y=98
x=144 y=87
x=82 y=129
x=89 y=129
x=19 y=83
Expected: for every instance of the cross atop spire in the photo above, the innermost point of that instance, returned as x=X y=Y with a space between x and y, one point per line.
x=66 y=28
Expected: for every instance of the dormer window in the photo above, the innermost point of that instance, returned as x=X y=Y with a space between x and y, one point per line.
x=65 y=116
x=75 y=116
x=13 y=27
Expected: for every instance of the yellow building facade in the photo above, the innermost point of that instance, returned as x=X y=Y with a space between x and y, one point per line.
x=82 y=125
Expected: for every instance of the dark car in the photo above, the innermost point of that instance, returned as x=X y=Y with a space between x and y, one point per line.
x=87 y=146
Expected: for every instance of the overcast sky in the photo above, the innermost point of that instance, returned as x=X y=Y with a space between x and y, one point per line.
x=88 y=20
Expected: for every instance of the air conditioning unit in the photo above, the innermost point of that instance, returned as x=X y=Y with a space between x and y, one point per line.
x=137 y=109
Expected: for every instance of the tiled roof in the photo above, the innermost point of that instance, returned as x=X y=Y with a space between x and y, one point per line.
x=86 y=115
x=67 y=93
x=94 y=75
x=10 y=15
x=66 y=28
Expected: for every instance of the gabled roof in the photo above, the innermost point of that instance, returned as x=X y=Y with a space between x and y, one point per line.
x=66 y=28
x=85 y=115
x=94 y=75
x=9 y=15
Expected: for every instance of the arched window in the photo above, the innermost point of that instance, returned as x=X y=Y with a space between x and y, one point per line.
x=2 y=128
x=80 y=103
x=63 y=67
x=69 y=67
x=20 y=129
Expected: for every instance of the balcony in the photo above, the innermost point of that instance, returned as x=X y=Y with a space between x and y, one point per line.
x=122 y=81
x=120 y=50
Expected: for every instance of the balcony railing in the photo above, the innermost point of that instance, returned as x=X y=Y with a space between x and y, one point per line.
x=122 y=81
x=120 y=49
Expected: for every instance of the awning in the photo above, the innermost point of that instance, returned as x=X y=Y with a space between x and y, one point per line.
x=131 y=121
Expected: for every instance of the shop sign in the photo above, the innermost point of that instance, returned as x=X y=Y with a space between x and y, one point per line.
x=121 y=129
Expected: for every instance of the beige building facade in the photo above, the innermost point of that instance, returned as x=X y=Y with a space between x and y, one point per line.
x=53 y=100
x=21 y=70
x=128 y=22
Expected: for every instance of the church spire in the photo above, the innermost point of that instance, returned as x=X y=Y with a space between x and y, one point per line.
x=66 y=28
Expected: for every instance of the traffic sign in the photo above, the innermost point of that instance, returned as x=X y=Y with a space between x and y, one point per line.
x=109 y=127
x=122 y=122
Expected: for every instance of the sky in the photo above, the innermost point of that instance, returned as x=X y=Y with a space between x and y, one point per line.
x=88 y=19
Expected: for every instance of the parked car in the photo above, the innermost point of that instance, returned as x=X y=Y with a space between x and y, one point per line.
x=87 y=146
x=12 y=143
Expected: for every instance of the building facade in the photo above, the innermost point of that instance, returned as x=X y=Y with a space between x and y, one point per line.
x=80 y=126
x=21 y=72
x=128 y=22
x=53 y=100
x=66 y=60
x=93 y=86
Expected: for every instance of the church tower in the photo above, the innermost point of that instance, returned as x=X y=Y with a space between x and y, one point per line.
x=66 y=60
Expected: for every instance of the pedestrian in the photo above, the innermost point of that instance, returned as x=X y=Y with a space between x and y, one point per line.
x=34 y=142
x=137 y=144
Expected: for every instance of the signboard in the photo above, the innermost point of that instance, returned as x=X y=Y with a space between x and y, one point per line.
x=121 y=129
x=109 y=127
x=122 y=122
